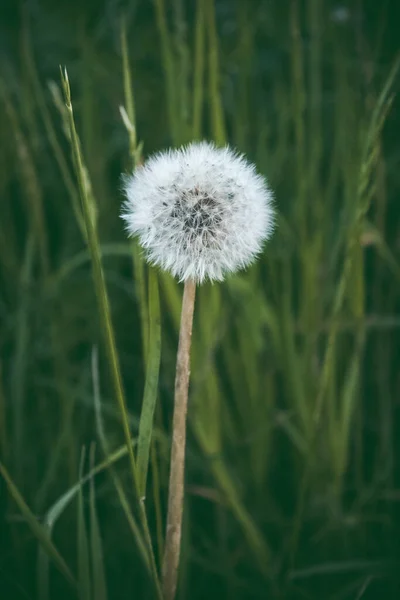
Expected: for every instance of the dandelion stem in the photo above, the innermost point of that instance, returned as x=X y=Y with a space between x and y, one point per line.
x=177 y=467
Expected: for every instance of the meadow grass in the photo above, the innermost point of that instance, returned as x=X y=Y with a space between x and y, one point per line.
x=291 y=462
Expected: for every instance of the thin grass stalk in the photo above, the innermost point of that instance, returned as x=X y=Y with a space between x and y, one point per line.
x=252 y=535
x=82 y=550
x=19 y=364
x=105 y=314
x=177 y=465
x=347 y=412
x=299 y=102
x=51 y=133
x=56 y=510
x=99 y=281
x=136 y=159
x=242 y=117
x=364 y=197
x=150 y=317
x=315 y=71
x=379 y=293
x=96 y=543
x=198 y=78
x=183 y=69
x=169 y=69
x=35 y=201
x=3 y=418
x=128 y=94
x=290 y=354
x=30 y=180
x=306 y=177
x=217 y=114
x=106 y=450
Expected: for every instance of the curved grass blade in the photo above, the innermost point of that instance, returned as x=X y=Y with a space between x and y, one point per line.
x=57 y=509
x=151 y=386
x=37 y=529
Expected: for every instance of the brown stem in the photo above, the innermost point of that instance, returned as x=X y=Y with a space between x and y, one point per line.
x=177 y=468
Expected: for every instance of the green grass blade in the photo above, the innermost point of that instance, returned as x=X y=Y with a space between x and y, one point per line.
x=105 y=447
x=128 y=94
x=105 y=314
x=169 y=68
x=51 y=133
x=56 y=510
x=135 y=152
x=3 y=424
x=254 y=538
x=37 y=529
x=151 y=386
x=368 y=160
x=84 y=582
x=82 y=258
x=217 y=114
x=19 y=364
x=198 y=83
x=155 y=467
x=96 y=544
x=348 y=407
x=98 y=276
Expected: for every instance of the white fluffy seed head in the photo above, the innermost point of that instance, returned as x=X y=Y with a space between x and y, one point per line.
x=199 y=211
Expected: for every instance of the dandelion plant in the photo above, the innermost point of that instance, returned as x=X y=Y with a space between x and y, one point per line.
x=200 y=212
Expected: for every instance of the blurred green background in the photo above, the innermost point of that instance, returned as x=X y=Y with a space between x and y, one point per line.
x=292 y=462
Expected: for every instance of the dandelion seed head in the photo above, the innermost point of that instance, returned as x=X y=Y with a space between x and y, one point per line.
x=199 y=212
